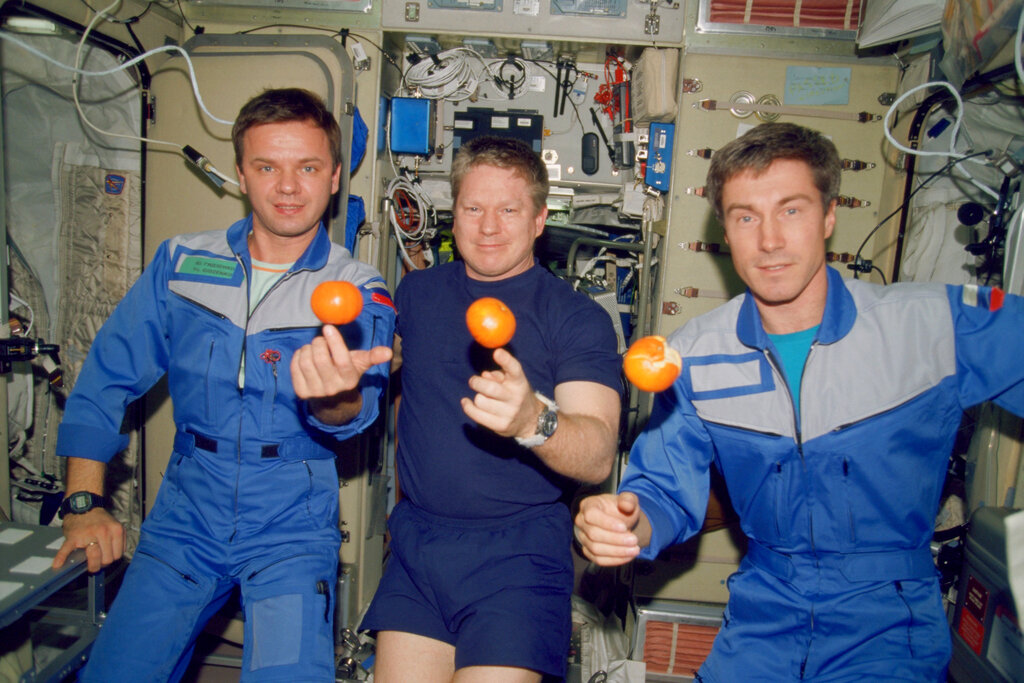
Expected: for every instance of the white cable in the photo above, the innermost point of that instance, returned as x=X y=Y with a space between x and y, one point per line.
x=952 y=137
x=401 y=246
x=31 y=314
x=422 y=203
x=423 y=206
x=387 y=141
x=590 y=264
x=121 y=67
x=1016 y=47
x=652 y=209
x=519 y=89
x=953 y=132
x=1013 y=262
x=14 y=451
x=175 y=48
x=102 y=14
x=225 y=178
x=405 y=257
x=5 y=35
x=450 y=77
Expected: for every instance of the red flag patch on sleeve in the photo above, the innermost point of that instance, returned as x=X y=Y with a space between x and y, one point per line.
x=382 y=298
x=986 y=297
x=995 y=299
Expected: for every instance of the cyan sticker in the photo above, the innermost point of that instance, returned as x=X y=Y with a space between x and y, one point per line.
x=113 y=183
x=208 y=267
x=194 y=265
x=806 y=85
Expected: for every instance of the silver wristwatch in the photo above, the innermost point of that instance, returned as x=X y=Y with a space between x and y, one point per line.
x=547 y=423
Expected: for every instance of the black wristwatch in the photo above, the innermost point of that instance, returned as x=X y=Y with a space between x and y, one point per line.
x=80 y=502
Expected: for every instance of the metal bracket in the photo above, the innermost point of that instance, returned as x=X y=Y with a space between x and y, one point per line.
x=652 y=22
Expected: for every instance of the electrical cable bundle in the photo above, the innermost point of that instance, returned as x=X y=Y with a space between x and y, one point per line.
x=605 y=95
x=411 y=214
x=953 y=138
x=444 y=76
x=512 y=76
x=106 y=15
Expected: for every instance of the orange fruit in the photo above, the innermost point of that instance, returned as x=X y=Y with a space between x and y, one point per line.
x=336 y=302
x=490 y=322
x=651 y=364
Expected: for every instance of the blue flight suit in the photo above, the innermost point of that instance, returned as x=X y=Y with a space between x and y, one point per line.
x=250 y=495
x=838 y=495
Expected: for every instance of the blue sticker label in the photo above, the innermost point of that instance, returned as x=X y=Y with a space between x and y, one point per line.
x=113 y=183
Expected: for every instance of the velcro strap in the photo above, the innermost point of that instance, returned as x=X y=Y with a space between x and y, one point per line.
x=891 y=565
x=204 y=443
x=290 y=449
x=186 y=442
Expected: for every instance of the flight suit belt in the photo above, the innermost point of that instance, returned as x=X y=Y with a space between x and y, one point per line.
x=288 y=449
x=890 y=565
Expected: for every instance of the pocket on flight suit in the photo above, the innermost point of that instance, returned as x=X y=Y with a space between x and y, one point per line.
x=289 y=614
x=169 y=491
x=275 y=638
x=292 y=497
x=924 y=631
x=322 y=492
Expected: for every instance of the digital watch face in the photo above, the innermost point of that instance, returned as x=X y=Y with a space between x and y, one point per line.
x=80 y=502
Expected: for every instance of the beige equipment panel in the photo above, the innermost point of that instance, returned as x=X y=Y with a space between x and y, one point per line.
x=723 y=78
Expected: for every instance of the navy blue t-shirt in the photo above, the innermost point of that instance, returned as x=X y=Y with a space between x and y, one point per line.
x=447 y=464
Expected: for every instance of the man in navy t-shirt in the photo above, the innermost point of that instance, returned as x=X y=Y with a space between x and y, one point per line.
x=492 y=443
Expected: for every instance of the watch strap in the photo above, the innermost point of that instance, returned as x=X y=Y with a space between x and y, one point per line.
x=94 y=501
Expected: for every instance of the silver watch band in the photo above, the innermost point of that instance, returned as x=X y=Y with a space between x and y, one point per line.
x=537 y=439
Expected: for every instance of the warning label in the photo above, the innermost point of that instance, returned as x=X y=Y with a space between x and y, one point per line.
x=972 y=616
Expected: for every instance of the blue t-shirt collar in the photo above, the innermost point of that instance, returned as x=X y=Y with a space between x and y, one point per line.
x=478 y=288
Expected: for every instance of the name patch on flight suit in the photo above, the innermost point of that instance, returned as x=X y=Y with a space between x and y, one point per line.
x=211 y=267
x=207 y=268
x=728 y=376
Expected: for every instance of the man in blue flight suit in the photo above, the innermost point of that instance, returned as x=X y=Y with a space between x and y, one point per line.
x=830 y=406
x=250 y=496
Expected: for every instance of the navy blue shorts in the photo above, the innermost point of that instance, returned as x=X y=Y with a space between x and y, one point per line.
x=498 y=590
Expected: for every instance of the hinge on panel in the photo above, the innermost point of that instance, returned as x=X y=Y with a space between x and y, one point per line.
x=652 y=22
x=691 y=85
